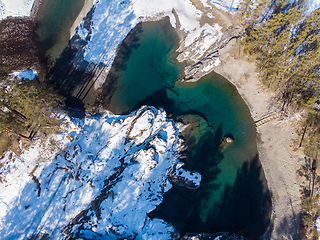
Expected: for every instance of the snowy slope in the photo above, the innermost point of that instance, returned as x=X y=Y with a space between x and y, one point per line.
x=317 y=225
x=15 y=8
x=112 y=21
x=312 y=5
x=98 y=179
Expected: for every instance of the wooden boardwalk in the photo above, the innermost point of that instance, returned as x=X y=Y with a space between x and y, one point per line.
x=268 y=118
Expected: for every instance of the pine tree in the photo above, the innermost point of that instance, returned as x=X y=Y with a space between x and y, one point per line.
x=286 y=47
x=26 y=105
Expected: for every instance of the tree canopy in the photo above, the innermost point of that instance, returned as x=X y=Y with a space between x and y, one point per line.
x=284 y=41
x=27 y=105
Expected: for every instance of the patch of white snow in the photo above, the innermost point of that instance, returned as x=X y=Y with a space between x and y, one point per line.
x=226 y=5
x=317 y=224
x=205 y=3
x=312 y=5
x=112 y=21
x=27 y=74
x=209 y=67
x=98 y=179
x=15 y=8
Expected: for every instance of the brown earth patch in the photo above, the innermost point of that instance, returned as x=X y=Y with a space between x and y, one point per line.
x=17 y=47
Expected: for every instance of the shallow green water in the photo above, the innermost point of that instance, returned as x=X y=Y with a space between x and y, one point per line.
x=233 y=195
x=54 y=20
x=149 y=68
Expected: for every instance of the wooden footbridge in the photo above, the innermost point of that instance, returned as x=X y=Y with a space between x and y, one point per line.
x=268 y=118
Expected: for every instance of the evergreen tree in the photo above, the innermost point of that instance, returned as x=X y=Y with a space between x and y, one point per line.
x=286 y=48
x=26 y=105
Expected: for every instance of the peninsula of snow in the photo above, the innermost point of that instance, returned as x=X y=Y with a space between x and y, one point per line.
x=98 y=179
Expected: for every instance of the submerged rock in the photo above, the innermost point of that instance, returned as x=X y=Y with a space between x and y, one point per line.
x=226 y=141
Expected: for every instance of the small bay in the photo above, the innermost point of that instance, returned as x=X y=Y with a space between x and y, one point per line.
x=233 y=195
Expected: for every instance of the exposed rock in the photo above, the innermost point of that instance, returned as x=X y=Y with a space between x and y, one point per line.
x=180 y=181
x=206 y=64
x=226 y=141
x=35 y=8
x=184 y=178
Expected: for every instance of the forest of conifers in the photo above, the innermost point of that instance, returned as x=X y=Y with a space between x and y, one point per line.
x=26 y=107
x=283 y=38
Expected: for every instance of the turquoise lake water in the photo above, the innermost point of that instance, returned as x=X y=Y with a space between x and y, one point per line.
x=233 y=195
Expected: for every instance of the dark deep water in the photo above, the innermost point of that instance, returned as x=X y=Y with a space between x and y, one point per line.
x=233 y=195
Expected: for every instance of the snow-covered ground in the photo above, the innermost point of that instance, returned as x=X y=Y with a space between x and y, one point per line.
x=112 y=20
x=27 y=74
x=227 y=5
x=312 y=5
x=98 y=179
x=317 y=224
x=15 y=8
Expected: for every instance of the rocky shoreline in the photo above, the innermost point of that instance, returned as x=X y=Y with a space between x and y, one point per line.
x=276 y=140
x=35 y=8
x=277 y=158
x=211 y=60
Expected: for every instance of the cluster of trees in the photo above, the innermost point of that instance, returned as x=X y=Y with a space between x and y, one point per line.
x=310 y=208
x=27 y=106
x=284 y=40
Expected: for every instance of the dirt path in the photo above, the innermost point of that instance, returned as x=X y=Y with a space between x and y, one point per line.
x=275 y=141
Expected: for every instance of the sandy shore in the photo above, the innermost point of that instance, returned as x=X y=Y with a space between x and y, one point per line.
x=35 y=8
x=85 y=9
x=275 y=140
